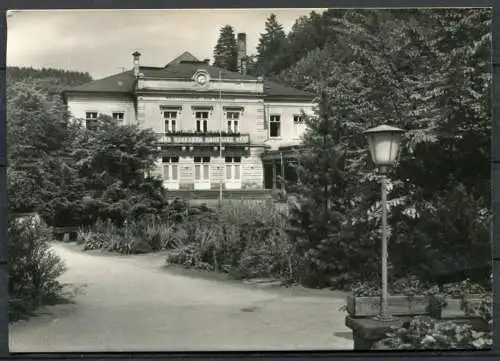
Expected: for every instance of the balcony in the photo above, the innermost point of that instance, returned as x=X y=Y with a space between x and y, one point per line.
x=207 y=139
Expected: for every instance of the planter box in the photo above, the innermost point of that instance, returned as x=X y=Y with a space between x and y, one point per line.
x=443 y=307
x=398 y=306
x=368 y=331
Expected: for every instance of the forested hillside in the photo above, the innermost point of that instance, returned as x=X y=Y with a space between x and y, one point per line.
x=52 y=81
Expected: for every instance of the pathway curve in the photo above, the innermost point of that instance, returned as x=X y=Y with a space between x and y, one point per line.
x=133 y=303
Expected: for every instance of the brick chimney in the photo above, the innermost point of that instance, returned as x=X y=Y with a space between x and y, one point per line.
x=242 y=52
x=137 y=57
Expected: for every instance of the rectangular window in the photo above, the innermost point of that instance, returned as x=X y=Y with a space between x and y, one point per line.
x=201 y=168
x=275 y=126
x=298 y=119
x=201 y=121
x=233 y=159
x=91 y=120
x=170 y=168
x=119 y=116
x=232 y=121
x=233 y=171
x=170 y=159
x=170 y=119
x=298 y=123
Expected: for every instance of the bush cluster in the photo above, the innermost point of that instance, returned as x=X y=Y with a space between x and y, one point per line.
x=443 y=241
x=246 y=240
x=34 y=268
x=147 y=234
x=254 y=240
x=448 y=242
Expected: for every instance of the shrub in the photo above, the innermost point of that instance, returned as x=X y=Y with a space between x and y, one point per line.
x=34 y=268
x=448 y=242
x=157 y=231
x=271 y=256
x=188 y=256
x=91 y=240
x=244 y=239
x=148 y=234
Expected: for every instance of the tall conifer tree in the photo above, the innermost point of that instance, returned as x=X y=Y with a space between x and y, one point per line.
x=270 y=47
x=226 y=52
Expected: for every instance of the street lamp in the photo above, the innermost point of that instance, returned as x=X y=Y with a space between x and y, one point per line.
x=220 y=139
x=384 y=142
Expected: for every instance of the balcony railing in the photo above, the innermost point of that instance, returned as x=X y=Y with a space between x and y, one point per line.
x=212 y=138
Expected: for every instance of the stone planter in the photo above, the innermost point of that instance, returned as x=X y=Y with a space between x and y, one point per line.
x=445 y=307
x=398 y=305
x=367 y=331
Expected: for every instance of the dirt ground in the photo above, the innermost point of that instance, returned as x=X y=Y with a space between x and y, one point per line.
x=135 y=303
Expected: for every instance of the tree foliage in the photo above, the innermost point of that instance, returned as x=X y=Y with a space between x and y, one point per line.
x=270 y=47
x=112 y=161
x=226 y=51
x=38 y=133
x=34 y=269
x=421 y=70
x=70 y=175
x=51 y=81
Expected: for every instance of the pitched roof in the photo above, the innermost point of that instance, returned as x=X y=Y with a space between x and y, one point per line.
x=274 y=89
x=183 y=67
x=186 y=69
x=119 y=83
x=185 y=56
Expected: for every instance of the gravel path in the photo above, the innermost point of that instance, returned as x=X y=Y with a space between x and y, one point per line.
x=133 y=303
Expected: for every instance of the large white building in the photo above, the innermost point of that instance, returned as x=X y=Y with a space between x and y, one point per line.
x=190 y=104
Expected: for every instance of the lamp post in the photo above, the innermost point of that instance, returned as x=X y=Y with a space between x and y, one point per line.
x=384 y=142
x=220 y=138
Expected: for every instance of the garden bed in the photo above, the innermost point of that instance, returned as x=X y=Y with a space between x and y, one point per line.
x=435 y=312
x=438 y=306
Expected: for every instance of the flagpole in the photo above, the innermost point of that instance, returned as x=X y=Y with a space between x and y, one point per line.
x=220 y=138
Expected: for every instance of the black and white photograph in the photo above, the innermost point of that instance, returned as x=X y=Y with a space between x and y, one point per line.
x=249 y=179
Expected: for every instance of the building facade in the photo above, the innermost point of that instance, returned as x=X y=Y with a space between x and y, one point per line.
x=218 y=129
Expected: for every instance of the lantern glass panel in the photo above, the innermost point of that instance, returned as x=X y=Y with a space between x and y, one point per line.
x=384 y=147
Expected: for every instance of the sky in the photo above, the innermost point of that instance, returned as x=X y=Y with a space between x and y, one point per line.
x=101 y=42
